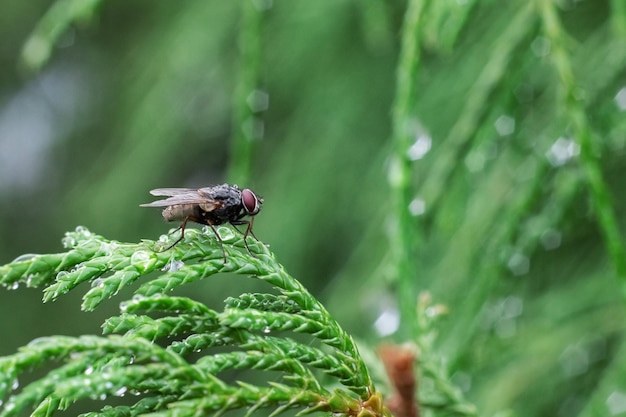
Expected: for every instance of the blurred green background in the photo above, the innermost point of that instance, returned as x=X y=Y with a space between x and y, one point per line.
x=143 y=94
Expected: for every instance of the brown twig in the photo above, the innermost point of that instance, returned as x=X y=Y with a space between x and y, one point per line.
x=399 y=361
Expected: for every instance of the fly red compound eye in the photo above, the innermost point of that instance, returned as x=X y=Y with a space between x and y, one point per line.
x=251 y=203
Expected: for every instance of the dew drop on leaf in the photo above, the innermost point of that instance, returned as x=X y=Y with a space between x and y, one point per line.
x=140 y=259
x=68 y=242
x=82 y=230
x=226 y=233
x=25 y=257
x=29 y=279
x=173 y=266
x=138 y=297
x=99 y=282
x=107 y=248
x=61 y=275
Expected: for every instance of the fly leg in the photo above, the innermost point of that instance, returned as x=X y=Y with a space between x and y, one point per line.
x=182 y=234
x=247 y=232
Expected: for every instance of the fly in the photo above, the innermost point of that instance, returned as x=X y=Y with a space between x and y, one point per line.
x=211 y=206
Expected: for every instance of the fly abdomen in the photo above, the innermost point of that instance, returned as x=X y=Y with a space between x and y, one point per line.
x=180 y=212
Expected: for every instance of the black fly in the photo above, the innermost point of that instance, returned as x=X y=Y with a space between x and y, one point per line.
x=211 y=206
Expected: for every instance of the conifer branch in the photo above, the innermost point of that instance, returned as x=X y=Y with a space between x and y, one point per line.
x=145 y=349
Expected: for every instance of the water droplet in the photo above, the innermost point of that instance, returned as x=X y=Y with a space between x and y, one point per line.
x=620 y=99
x=551 y=239
x=141 y=260
x=475 y=161
x=88 y=371
x=505 y=125
x=139 y=257
x=387 y=322
x=124 y=306
x=541 y=46
x=82 y=230
x=519 y=264
x=68 y=242
x=562 y=151
x=262 y=5
x=26 y=257
x=98 y=282
x=574 y=361
x=501 y=316
x=138 y=297
x=107 y=248
x=61 y=275
x=226 y=233
x=173 y=266
x=120 y=392
x=14 y=286
x=253 y=128
x=512 y=307
x=616 y=402
x=15 y=385
x=258 y=101
x=267 y=330
x=420 y=147
x=417 y=207
x=29 y=280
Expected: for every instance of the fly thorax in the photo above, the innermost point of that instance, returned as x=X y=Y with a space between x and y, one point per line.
x=206 y=207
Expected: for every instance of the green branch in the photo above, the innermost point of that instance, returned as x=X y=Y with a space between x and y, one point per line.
x=127 y=360
x=405 y=234
x=63 y=13
x=573 y=102
x=250 y=101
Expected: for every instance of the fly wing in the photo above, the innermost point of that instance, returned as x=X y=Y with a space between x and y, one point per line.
x=178 y=196
x=172 y=191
